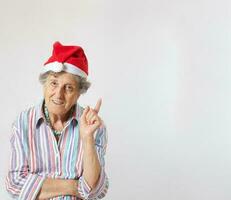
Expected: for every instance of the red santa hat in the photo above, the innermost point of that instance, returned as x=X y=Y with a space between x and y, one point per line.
x=71 y=59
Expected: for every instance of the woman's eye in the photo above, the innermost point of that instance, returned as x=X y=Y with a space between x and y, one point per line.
x=69 y=88
x=54 y=83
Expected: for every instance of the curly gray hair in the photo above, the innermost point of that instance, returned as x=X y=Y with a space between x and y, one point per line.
x=83 y=84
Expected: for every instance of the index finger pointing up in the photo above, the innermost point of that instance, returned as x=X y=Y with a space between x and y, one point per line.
x=98 y=105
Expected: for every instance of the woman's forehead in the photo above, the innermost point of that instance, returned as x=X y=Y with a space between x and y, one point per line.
x=62 y=76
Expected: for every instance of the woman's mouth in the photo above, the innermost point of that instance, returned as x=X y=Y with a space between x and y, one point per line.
x=58 y=102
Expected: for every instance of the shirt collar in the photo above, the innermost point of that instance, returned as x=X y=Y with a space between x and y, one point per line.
x=40 y=117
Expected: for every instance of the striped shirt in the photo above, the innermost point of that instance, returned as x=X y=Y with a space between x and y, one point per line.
x=37 y=155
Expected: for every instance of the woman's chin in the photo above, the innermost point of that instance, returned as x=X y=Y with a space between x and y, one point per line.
x=57 y=110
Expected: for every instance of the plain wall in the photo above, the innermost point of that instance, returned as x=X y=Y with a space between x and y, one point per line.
x=163 y=71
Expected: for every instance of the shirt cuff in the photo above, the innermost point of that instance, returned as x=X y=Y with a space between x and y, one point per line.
x=98 y=192
x=31 y=187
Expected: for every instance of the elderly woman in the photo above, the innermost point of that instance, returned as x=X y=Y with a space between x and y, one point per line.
x=57 y=146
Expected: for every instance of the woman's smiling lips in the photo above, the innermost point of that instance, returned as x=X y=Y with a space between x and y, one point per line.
x=58 y=102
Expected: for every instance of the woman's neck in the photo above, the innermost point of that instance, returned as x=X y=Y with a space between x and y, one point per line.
x=57 y=122
x=57 y=118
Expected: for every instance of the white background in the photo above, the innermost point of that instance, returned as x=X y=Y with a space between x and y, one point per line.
x=163 y=71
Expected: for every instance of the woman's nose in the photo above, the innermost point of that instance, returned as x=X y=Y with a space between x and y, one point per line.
x=60 y=92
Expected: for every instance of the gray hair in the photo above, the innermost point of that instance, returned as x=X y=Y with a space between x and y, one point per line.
x=82 y=83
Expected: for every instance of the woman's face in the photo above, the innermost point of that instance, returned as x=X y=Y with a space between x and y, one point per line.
x=60 y=93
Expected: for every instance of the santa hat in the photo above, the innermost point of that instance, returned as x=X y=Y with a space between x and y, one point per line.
x=70 y=59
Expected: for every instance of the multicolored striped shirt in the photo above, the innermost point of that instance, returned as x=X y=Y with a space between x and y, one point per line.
x=37 y=155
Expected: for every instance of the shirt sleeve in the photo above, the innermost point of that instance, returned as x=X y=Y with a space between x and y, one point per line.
x=102 y=186
x=20 y=183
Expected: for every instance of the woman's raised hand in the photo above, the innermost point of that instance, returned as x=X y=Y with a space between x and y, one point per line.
x=90 y=120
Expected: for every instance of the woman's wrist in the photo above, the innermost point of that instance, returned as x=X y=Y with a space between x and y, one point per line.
x=88 y=140
x=56 y=187
x=70 y=186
